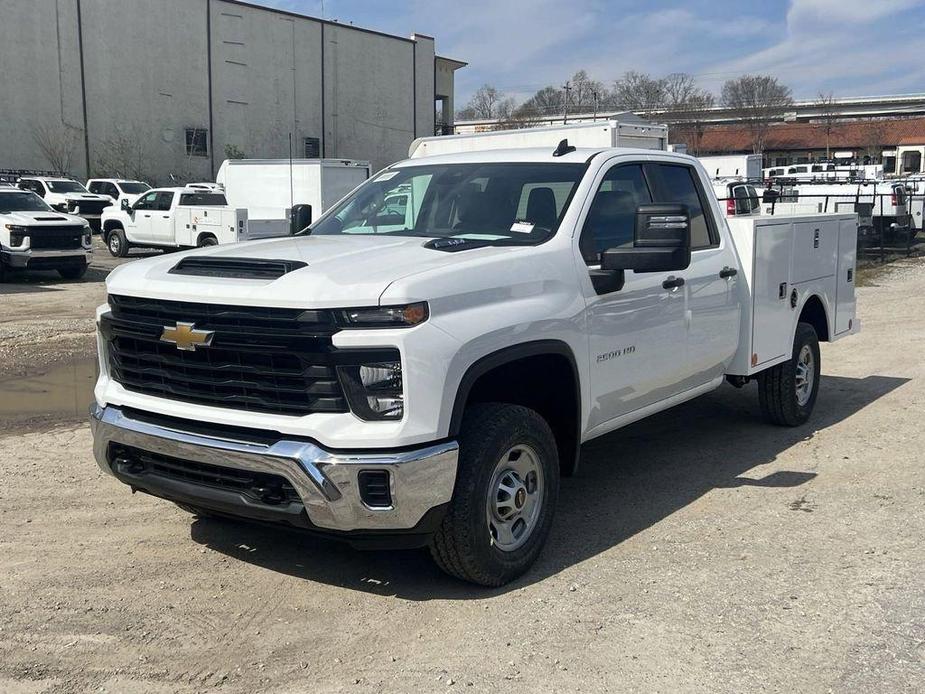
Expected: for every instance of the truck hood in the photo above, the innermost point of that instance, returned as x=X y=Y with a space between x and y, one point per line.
x=33 y=219
x=341 y=271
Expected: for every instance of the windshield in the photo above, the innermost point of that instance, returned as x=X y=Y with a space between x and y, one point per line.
x=65 y=187
x=496 y=203
x=133 y=187
x=22 y=201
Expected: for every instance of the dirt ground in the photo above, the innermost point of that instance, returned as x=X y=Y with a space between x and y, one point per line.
x=699 y=550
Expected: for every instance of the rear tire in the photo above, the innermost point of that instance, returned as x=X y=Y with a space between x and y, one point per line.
x=787 y=392
x=490 y=535
x=117 y=243
x=73 y=272
x=207 y=241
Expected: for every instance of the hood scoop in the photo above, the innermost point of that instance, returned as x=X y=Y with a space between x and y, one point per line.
x=236 y=268
x=50 y=219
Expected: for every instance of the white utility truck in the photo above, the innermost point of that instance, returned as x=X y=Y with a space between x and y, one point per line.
x=748 y=166
x=35 y=237
x=269 y=189
x=67 y=195
x=173 y=218
x=426 y=379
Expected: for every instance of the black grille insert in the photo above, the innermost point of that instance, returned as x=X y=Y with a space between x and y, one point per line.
x=272 y=360
x=237 y=268
x=55 y=237
x=266 y=488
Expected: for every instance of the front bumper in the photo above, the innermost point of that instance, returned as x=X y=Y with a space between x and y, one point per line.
x=327 y=482
x=46 y=258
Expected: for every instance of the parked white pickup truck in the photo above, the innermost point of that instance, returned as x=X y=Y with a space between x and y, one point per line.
x=118 y=189
x=35 y=237
x=173 y=218
x=67 y=195
x=425 y=380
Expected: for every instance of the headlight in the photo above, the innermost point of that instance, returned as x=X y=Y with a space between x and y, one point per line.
x=18 y=234
x=87 y=235
x=384 y=316
x=374 y=390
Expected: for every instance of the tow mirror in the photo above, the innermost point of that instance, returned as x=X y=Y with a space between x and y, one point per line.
x=299 y=218
x=661 y=242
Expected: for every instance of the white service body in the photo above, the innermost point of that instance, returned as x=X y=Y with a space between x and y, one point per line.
x=748 y=166
x=268 y=188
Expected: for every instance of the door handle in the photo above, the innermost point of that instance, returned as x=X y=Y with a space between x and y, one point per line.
x=147 y=215
x=728 y=272
x=673 y=283
x=165 y=216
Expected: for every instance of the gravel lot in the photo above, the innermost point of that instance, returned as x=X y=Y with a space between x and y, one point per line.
x=699 y=550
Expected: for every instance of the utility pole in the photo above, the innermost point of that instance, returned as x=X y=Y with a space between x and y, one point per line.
x=567 y=87
x=594 y=98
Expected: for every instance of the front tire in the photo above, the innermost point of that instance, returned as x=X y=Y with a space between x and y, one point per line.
x=507 y=486
x=117 y=243
x=787 y=392
x=73 y=272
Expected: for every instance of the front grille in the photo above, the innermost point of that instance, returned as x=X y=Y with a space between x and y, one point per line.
x=88 y=206
x=264 y=487
x=273 y=360
x=55 y=237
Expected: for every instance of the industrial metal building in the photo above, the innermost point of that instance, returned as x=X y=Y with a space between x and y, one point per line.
x=165 y=88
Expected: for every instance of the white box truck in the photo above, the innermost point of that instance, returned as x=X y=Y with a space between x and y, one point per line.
x=269 y=188
x=747 y=166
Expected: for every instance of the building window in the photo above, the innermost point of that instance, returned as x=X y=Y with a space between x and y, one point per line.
x=312 y=147
x=197 y=142
x=781 y=161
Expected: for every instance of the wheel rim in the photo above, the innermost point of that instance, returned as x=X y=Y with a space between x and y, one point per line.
x=515 y=498
x=805 y=375
x=114 y=243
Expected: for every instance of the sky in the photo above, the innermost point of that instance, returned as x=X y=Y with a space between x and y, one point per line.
x=848 y=47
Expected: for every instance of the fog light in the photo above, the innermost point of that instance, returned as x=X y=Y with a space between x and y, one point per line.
x=374 y=391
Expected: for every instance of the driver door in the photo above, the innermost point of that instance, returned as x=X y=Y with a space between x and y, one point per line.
x=140 y=217
x=637 y=334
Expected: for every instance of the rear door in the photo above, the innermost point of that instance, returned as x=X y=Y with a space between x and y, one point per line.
x=162 y=231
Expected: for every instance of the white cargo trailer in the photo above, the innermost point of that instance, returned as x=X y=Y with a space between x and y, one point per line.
x=599 y=134
x=268 y=188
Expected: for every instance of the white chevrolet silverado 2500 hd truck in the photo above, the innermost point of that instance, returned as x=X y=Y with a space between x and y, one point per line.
x=172 y=218
x=35 y=237
x=424 y=376
x=67 y=195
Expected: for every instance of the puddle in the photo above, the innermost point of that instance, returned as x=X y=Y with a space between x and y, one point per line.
x=62 y=391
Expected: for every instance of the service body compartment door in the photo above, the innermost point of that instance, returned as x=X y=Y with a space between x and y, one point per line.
x=815 y=247
x=845 y=303
x=771 y=312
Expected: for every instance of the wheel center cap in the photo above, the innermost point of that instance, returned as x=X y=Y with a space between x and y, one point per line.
x=520 y=497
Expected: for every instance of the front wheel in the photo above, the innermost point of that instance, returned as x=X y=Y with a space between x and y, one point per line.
x=117 y=243
x=787 y=392
x=507 y=485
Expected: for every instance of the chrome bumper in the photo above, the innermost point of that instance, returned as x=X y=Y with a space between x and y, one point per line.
x=326 y=481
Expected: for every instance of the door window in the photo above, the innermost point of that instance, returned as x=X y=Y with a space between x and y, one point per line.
x=148 y=202
x=611 y=221
x=677 y=185
x=95 y=187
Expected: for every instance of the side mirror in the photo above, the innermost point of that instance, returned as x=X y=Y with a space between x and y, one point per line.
x=662 y=241
x=299 y=218
x=125 y=206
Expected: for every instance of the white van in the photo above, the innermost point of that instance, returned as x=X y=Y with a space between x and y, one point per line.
x=269 y=188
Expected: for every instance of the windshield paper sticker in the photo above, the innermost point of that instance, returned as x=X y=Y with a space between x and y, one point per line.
x=387 y=175
x=522 y=227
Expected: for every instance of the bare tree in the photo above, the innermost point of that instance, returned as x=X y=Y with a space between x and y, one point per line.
x=827 y=118
x=547 y=101
x=637 y=91
x=758 y=100
x=487 y=103
x=58 y=143
x=122 y=154
x=874 y=135
x=586 y=94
